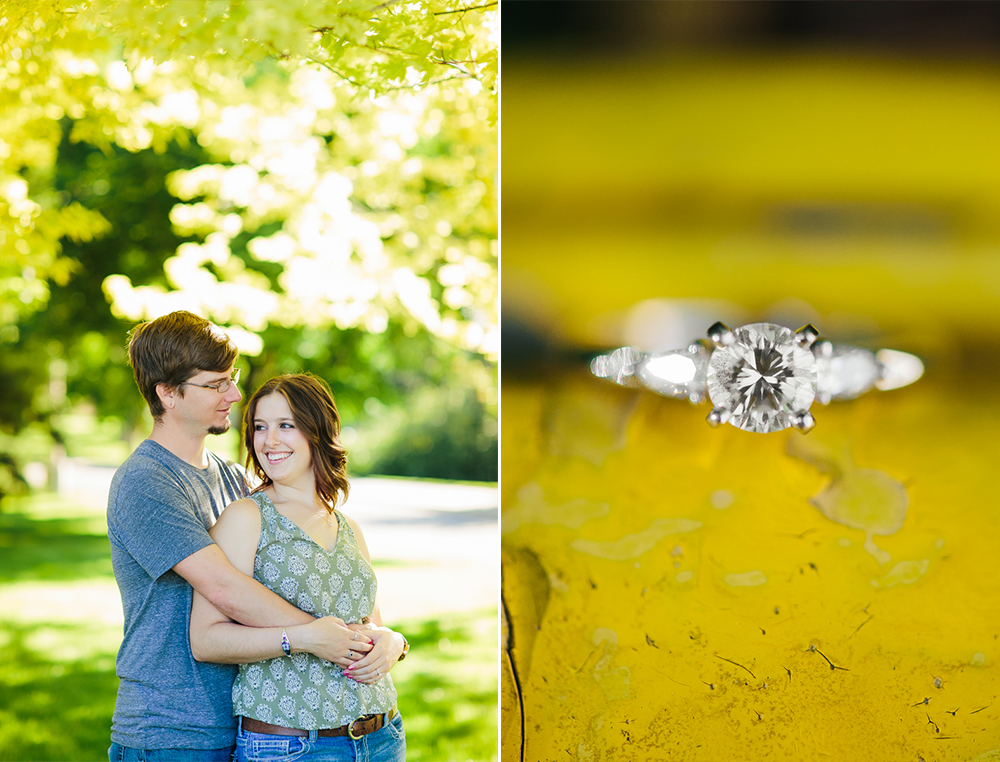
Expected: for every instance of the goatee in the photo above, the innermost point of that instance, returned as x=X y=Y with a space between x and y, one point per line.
x=219 y=429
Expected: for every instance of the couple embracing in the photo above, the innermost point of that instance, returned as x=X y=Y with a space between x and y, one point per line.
x=279 y=583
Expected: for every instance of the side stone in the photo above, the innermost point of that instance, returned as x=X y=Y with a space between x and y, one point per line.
x=678 y=373
x=847 y=373
x=618 y=366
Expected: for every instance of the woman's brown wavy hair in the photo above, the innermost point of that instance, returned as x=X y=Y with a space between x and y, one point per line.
x=315 y=413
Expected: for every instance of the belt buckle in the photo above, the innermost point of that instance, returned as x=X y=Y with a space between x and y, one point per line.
x=350 y=731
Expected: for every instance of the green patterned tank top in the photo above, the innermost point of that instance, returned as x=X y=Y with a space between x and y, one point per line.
x=304 y=691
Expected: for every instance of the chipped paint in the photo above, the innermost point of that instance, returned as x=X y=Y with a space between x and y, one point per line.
x=903 y=573
x=859 y=498
x=531 y=507
x=746 y=579
x=635 y=545
x=615 y=682
x=721 y=499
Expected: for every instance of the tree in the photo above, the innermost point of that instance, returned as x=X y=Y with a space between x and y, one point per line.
x=334 y=164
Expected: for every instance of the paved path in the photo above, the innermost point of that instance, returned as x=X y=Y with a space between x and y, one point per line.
x=447 y=536
x=440 y=540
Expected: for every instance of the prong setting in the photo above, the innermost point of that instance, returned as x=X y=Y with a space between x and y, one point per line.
x=822 y=348
x=720 y=335
x=803 y=421
x=717 y=417
x=701 y=345
x=806 y=335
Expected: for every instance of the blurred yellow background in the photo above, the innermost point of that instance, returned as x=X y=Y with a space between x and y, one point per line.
x=670 y=590
x=861 y=186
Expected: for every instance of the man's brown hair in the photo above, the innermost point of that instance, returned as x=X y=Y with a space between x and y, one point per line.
x=172 y=349
x=315 y=413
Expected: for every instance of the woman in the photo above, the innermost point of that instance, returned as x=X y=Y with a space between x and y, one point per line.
x=289 y=535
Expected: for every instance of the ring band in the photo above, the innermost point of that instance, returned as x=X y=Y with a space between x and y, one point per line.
x=760 y=377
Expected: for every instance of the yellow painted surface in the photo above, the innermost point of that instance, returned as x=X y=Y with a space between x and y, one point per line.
x=711 y=553
x=677 y=592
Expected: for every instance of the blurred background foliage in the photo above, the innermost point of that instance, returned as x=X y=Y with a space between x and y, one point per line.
x=317 y=177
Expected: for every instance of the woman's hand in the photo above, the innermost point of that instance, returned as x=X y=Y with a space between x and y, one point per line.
x=331 y=639
x=388 y=645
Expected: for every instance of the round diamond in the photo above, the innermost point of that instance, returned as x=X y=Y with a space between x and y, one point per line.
x=763 y=378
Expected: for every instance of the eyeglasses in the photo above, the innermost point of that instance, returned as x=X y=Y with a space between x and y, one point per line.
x=222 y=387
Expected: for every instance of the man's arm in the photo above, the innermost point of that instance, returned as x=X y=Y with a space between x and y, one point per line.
x=237 y=595
x=225 y=591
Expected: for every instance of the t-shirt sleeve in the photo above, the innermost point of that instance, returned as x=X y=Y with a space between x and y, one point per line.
x=234 y=477
x=156 y=522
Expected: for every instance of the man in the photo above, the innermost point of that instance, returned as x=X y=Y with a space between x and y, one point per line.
x=162 y=502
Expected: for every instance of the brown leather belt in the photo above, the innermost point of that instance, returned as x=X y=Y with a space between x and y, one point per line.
x=360 y=727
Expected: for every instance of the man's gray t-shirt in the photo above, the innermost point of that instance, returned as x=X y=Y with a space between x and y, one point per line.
x=159 y=511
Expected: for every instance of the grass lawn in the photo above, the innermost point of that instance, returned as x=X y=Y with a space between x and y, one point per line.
x=60 y=626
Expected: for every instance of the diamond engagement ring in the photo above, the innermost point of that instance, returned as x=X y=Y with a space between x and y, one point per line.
x=760 y=377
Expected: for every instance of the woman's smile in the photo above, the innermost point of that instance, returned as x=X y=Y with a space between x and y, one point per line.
x=276 y=439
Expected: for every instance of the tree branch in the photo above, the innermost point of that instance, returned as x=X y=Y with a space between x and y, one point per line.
x=342 y=76
x=425 y=84
x=463 y=10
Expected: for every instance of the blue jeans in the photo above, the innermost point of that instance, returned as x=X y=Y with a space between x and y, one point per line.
x=119 y=753
x=387 y=744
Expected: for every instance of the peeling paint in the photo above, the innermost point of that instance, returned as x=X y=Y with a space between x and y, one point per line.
x=993 y=755
x=903 y=573
x=614 y=681
x=635 y=545
x=530 y=507
x=721 y=499
x=859 y=498
x=746 y=579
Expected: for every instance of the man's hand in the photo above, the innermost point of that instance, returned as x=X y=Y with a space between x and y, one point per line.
x=331 y=639
x=362 y=626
